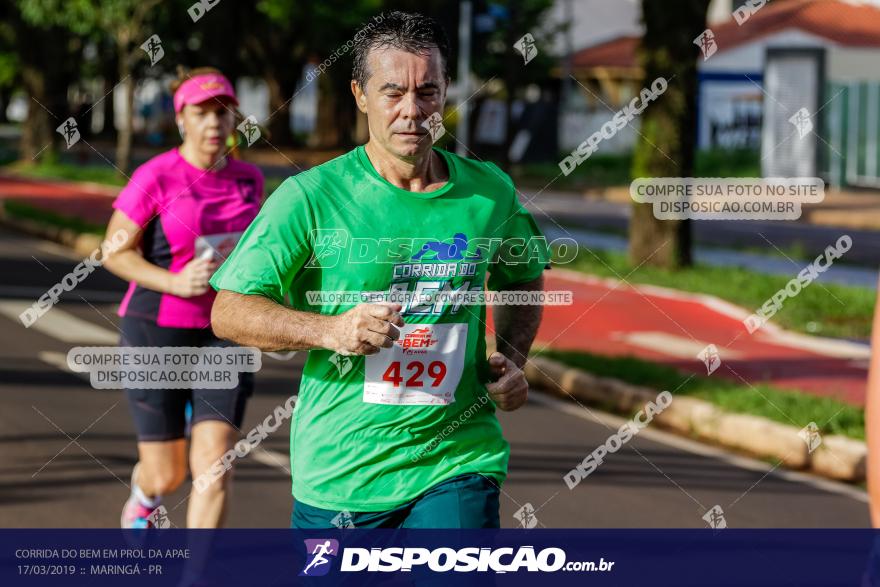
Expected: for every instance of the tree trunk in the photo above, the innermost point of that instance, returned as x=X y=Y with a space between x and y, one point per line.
x=36 y=136
x=124 y=136
x=280 y=93
x=668 y=126
x=46 y=75
x=5 y=97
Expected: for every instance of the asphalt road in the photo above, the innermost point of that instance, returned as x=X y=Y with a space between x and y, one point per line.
x=66 y=449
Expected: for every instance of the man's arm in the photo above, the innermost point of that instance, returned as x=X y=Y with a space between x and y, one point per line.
x=516 y=326
x=872 y=420
x=254 y=320
x=515 y=329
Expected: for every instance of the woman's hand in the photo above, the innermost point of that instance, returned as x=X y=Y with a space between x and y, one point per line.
x=192 y=280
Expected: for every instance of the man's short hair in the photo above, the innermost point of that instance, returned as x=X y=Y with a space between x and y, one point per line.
x=412 y=32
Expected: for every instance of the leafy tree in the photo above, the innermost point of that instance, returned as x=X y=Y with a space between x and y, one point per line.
x=493 y=53
x=123 y=21
x=294 y=33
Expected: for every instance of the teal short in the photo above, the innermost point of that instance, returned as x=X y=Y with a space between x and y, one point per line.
x=466 y=501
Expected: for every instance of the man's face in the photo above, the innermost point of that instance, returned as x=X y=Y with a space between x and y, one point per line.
x=403 y=90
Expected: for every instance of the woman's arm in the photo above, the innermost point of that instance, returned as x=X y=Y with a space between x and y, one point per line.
x=127 y=262
x=872 y=419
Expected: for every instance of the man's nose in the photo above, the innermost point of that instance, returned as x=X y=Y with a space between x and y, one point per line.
x=409 y=107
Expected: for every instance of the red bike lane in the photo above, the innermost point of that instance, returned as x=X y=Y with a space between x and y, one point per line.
x=609 y=317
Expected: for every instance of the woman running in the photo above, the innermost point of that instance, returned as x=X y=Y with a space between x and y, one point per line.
x=184 y=210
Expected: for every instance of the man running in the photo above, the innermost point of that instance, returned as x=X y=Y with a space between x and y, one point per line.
x=402 y=432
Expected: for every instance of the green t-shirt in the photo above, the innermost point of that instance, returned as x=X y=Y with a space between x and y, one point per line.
x=371 y=433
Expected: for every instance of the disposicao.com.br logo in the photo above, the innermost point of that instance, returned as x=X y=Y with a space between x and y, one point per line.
x=443 y=559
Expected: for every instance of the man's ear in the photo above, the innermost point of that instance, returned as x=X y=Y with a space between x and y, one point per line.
x=360 y=97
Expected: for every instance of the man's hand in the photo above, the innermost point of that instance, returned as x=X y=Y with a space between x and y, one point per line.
x=365 y=329
x=511 y=389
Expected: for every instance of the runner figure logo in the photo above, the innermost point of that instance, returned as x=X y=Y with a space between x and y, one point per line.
x=710 y=358
x=706 y=43
x=715 y=518
x=328 y=247
x=153 y=48
x=343 y=363
x=69 y=131
x=448 y=252
x=810 y=434
x=343 y=520
x=526 y=516
x=158 y=518
x=526 y=47
x=250 y=129
x=434 y=125
x=317 y=551
x=247 y=188
x=802 y=122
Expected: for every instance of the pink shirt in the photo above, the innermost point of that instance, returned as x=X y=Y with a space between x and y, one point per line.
x=183 y=211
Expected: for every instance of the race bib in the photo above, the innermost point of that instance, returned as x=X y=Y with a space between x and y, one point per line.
x=219 y=245
x=422 y=368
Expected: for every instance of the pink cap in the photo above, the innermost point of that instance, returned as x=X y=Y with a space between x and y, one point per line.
x=203 y=87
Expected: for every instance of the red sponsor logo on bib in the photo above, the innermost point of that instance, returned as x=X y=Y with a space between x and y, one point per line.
x=419 y=338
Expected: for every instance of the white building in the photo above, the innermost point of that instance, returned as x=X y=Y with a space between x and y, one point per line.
x=766 y=62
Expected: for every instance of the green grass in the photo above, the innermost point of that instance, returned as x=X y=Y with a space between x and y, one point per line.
x=728 y=163
x=820 y=308
x=596 y=172
x=66 y=171
x=616 y=169
x=19 y=210
x=788 y=407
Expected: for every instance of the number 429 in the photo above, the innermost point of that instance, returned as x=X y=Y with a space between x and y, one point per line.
x=436 y=371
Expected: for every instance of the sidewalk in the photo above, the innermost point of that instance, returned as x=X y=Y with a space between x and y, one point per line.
x=607 y=317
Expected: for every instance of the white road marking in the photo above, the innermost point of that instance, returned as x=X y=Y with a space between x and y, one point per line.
x=59 y=360
x=32 y=294
x=672 y=345
x=61 y=325
x=615 y=422
x=272 y=458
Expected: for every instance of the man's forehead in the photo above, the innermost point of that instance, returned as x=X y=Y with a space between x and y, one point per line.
x=396 y=66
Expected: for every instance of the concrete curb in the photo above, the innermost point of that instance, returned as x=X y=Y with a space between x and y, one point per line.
x=82 y=243
x=837 y=457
